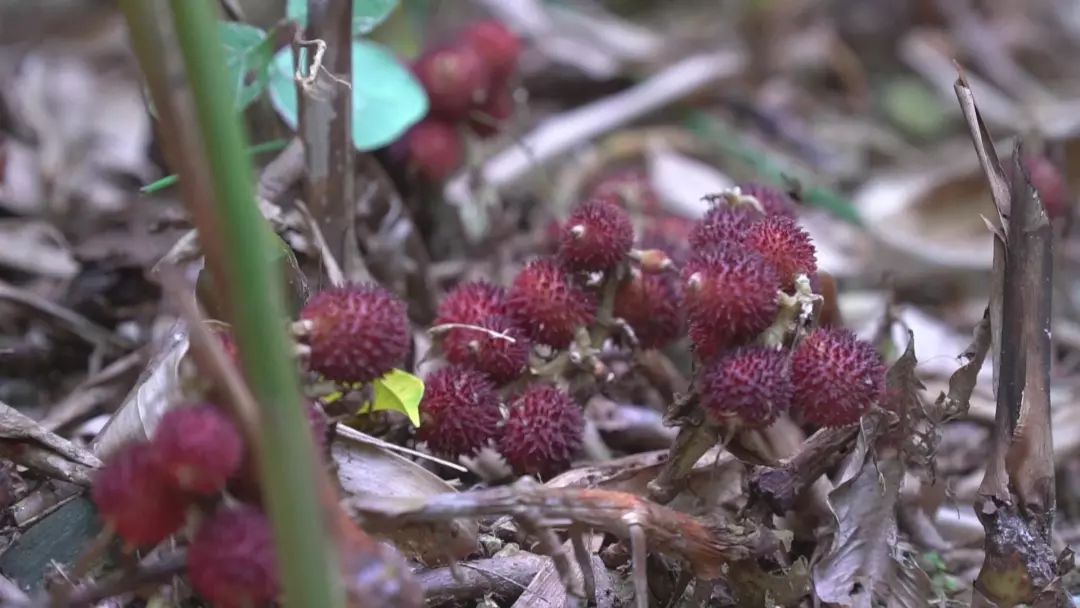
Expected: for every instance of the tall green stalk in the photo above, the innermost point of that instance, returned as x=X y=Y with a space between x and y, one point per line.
x=287 y=457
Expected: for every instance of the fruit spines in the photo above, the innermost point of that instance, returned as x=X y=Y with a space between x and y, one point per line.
x=459 y=411
x=543 y=432
x=547 y=305
x=837 y=377
x=750 y=384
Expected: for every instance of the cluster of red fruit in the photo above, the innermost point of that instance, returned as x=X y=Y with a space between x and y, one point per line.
x=145 y=489
x=467 y=82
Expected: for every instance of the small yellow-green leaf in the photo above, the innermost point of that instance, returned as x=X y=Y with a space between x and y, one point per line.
x=398 y=391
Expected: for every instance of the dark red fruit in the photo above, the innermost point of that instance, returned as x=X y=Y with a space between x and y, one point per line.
x=785 y=245
x=456 y=78
x=543 y=432
x=650 y=304
x=668 y=233
x=596 y=236
x=752 y=385
x=231 y=560
x=358 y=332
x=730 y=297
x=774 y=201
x=487 y=119
x=837 y=377
x=547 y=305
x=497 y=45
x=468 y=303
x=435 y=149
x=460 y=412
x=134 y=497
x=500 y=358
x=722 y=224
x=198 y=448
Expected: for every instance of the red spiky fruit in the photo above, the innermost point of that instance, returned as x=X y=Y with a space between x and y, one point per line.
x=499 y=47
x=750 y=384
x=596 y=236
x=547 y=304
x=456 y=79
x=358 y=332
x=543 y=432
x=722 y=224
x=650 y=304
x=784 y=245
x=501 y=352
x=434 y=149
x=774 y=201
x=468 y=303
x=488 y=118
x=460 y=412
x=730 y=297
x=231 y=561
x=837 y=377
x=198 y=448
x=133 y=497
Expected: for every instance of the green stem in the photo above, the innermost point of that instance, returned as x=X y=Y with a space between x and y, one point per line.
x=287 y=458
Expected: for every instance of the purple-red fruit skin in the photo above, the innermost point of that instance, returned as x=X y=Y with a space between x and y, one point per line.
x=133 y=497
x=751 y=384
x=774 y=201
x=784 y=245
x=501 y=357
x=545 y=302
x=730 y=295
x=358 y=334
x=435 y=149
x=837 y=377
x=231 y=560
x=722 y=224
x=198 y=448
x=596 y=236
x=499 y=47
x=469 y=303
x=543 y=432
x=456 y=78
x=651 y=305
x=460 y=412
x=487 y=119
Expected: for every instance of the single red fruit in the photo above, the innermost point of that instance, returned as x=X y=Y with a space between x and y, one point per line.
x=231 y=560
x=435 y=149
x=358 y=333
x=471 y=302
x=134 y=497
x=751 y=384
x=722 y=224
x=837 y=377
x=499 y=47
x=543 y=432
x=198 y=448
x=456 y=79
x=774 y=201
x=502 y=359
x=487 y=119
x=468 y=303
x=548 y=305
x=460 y=412
x=596 y=236
x=650 y=304
x=784 y=245
x=730 y=297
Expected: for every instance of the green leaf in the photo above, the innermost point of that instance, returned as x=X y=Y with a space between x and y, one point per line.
x=386 y=99
x=366 y=14
x=247 y=55
x=397 y=391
